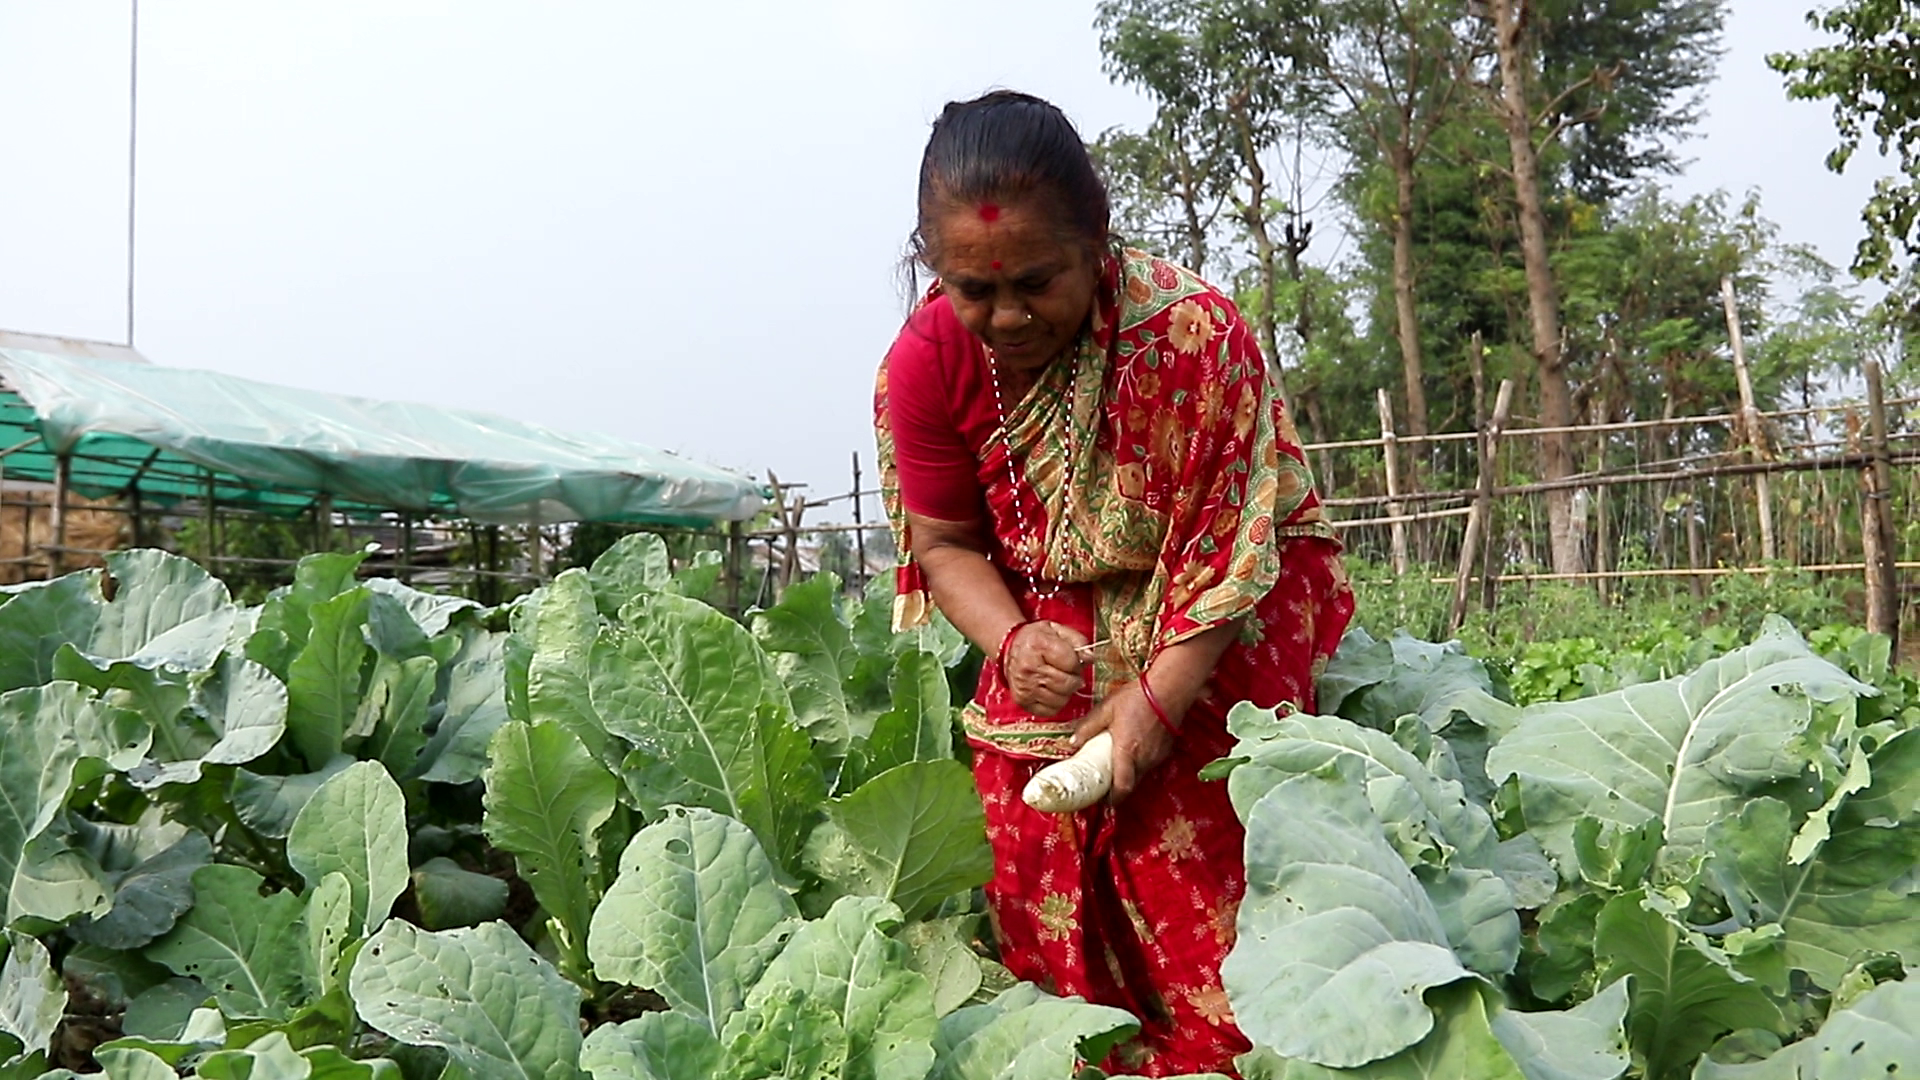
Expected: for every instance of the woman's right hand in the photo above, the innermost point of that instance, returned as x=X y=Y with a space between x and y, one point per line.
x=1043 y=667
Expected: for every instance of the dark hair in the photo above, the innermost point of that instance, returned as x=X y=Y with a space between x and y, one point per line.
x=1005 y=147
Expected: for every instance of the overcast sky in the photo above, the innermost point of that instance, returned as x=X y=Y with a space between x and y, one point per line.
x=679 y=224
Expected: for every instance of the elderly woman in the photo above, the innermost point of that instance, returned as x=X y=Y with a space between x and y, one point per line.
x=1090 y=471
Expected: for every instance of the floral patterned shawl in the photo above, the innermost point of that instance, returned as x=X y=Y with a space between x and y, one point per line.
x=1160 y=468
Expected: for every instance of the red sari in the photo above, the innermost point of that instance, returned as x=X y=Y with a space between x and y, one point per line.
x=1163 y=492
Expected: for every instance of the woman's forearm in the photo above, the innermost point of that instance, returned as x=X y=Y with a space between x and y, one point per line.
x=972 y=594
x=1179 y=674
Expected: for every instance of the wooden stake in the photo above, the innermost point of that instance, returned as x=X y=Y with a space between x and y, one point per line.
x=405 y=567
x=859 y=581
x=1876 y=520
x=1750 y=421
x=1696 y=557
x=1389 y=452
x=733 y=572
x=1478 y=520
x=62 y=481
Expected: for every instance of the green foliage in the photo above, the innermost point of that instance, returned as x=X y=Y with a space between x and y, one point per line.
x=1714 y=858
x=1731 y=848
x=1871 y=76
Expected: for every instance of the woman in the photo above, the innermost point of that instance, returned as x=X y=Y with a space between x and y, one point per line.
x=1089 y=469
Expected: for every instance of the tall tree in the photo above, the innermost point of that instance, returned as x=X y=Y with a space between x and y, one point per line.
x=1390 y=62
x=1162 y=187
x=1226 y=74
x=1514 y=106
x=1872 y=76
x=1540 y=97
x=1626 y=78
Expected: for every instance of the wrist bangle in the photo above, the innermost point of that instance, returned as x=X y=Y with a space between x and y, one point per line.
x=1159 y=711
x=1006 y=642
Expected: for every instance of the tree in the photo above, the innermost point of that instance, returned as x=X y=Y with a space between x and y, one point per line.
x=1526 y=94
x=1223 y=75
x=1872 y=76
x=1161 y=185
x=1390 y=61
x=1626 y=76
x=1514 y=106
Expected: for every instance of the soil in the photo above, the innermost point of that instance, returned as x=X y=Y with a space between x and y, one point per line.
x=89 y=1021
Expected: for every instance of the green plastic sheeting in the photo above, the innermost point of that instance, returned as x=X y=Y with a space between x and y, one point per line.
x=175 y=433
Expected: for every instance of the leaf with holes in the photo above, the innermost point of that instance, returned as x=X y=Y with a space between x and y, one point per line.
x=245 y=947
x=480 y=993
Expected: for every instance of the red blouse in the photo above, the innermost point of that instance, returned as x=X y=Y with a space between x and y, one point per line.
x=940 y=403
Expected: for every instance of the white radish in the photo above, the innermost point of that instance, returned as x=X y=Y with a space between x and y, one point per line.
x=1076 y=783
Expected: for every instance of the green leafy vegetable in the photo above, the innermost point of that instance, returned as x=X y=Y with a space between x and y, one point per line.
x=914 y=835
x=1682 y=752
x=450 y=895
x=1686 y=991
x=545 y=803
x=700 y=699
x=325 y=681
x=242 y=945
x=480 y=993
x=355 y=825
x=1337 y=939
x=657 y=1046
x=695 y=915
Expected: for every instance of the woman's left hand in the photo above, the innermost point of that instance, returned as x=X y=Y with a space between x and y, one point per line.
x=1140 y=741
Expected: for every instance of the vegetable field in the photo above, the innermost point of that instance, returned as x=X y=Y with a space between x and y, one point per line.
x=608 y=832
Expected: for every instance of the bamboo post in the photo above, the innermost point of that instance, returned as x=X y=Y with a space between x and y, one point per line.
x=1478 y=518
x=493 y=563
x=209 y=548
x=405 y=569
x=1750 y=422
x=732 y=570
x=1876 y=519
x=1602 y=533
x=790 y=516
x=536 y=551
x=1696 y=554
x=135 y=516
x=1389 y=452
x=62 y=482
x=859 y=582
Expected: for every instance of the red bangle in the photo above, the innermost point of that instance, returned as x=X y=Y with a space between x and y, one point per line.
x=1000 y=658
x=1159 y=711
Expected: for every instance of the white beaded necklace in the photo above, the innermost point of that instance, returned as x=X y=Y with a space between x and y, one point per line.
x=1013 y=478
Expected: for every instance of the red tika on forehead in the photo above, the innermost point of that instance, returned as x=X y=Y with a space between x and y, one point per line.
x=996 y=264
x=989 y=212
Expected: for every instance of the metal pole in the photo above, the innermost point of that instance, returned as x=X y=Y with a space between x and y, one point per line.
x=133 y=147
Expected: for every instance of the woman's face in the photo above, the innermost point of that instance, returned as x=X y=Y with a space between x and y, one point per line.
x=1019 y=280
